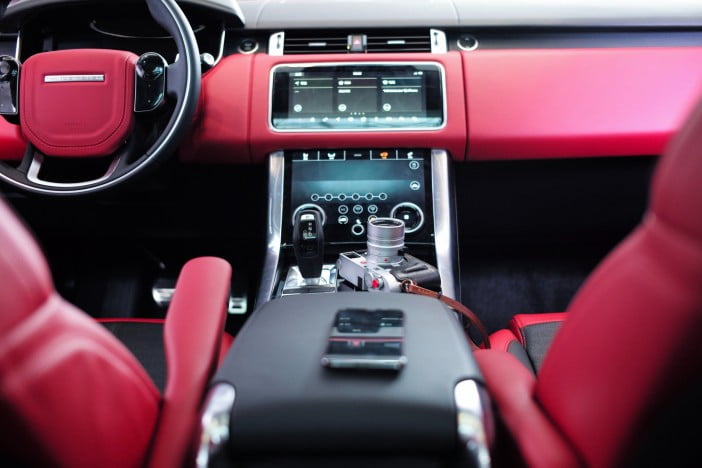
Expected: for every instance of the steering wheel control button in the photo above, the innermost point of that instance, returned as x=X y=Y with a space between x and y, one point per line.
x=150 y=87
x=410 y=214
x=358 y=229
x=9 y=85
x=343 y=209
x=415 y=185
x=372 y=209
x=358 y=209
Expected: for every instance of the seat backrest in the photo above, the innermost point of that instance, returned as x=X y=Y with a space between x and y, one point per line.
x=70 y=393
x=631 y=342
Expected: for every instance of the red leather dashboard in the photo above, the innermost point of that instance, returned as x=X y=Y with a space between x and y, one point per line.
x=502 y=104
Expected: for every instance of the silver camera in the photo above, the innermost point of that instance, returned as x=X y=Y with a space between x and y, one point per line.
x=383 y=266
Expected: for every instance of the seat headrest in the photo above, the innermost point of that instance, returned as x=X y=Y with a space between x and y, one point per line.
x=676 y=196
x=25 y=280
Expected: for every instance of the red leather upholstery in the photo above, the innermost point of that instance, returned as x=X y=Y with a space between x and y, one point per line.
x=12 y=144
x=502 y=339
x=630 y=342
x=65 y=382
x=78 y=118
x=71 y=394
x=520 y=321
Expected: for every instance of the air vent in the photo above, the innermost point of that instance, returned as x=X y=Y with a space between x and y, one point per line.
x=336 y=42
x=402 y=41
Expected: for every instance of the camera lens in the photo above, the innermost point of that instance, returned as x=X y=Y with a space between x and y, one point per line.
x=386 y=236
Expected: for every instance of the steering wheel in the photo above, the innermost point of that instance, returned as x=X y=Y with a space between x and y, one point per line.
x=85 y=104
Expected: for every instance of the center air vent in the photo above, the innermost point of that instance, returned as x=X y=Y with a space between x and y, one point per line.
x=339 y=42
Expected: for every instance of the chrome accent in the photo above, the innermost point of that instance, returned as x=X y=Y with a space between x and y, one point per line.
x=467 y=49
x=474 y=422
x=163 y=297
x=79 y=187
x=38 y=160
x=73 y=78
x=276 y=44
x=269 y=275
x=442 y=72
x=18 y=46
x=437 y=39
x=306 y=206
x=326 y=283
x=409 y=205
x=220 y=52
x=445 y=233
x=214 y=423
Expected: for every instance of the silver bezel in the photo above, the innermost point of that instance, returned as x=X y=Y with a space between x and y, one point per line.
x=439 y=66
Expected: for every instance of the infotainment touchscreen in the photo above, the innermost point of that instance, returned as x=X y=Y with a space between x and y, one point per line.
x=400 y=96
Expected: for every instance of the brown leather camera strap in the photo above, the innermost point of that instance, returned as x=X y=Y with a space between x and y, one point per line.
x=410 y=286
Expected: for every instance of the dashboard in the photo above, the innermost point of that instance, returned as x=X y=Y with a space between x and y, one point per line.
x=482 y=80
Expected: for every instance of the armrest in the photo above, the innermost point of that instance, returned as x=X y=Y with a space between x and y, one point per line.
x=511 y=387
x=192 y=336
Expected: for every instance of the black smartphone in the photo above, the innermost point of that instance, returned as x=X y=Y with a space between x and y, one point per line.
x=366 y=339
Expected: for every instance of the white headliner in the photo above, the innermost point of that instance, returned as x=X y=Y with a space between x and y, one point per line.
x=284 y=14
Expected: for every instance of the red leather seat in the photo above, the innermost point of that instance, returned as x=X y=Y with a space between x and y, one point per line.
x=629 y=349
x=72 y=394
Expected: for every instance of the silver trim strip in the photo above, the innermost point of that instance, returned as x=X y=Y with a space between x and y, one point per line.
x=440 y=67
x=474 y=422
x=38 y=160
x=73 y=78
x=438 y=41
x=445 y=232
x=214 y=423
x=276 y=44
x=18 y=46
x=269 y=275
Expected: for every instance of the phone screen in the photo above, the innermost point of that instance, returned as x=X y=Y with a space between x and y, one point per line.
x=366 y=339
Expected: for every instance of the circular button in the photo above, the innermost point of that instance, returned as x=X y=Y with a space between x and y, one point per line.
x=314 y=197
x=410 y=214
x=355 y=197
x=358 y=229
x=372 y=209
x=343 y=209
x=383 y=196
x=414 y=165
x=248 y=46
x=328 y=196
x=372 y=218
x=343 y=219
x=358 y=209
x=341 y=196
x=369 y=196
x=467 y=42
x=415 y=185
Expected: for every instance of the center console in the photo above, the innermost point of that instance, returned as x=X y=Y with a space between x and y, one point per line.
x=329 y=370
x=277 y=401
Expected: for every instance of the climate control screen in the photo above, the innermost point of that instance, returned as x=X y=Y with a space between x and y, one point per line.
x=350 y=187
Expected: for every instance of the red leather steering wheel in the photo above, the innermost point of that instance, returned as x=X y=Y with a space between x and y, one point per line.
x=86 y=103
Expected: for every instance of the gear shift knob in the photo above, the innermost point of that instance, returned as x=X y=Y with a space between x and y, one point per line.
x=308 y=243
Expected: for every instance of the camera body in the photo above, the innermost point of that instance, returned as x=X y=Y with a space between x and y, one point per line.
x=366 y=275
